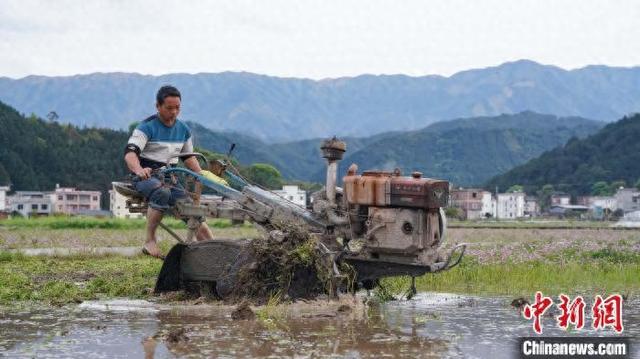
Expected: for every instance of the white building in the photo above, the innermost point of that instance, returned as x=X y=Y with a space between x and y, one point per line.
x=3 y=198
x=118 y=206
x=293 y=194
x=488 y=204
x=604 y=202
x=628 y=199
x=31 y=203
x=510 y=205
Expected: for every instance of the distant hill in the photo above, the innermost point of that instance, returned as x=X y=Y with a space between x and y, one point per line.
x=465 y=151
x=37 y=155
x=611 y=154
x=288 y=109
x=470 y=151
x=294 y=160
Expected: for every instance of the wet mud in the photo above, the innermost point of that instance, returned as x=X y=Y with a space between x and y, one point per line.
x=429 y=326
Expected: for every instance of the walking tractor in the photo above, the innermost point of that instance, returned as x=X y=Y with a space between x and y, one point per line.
x=378 y=224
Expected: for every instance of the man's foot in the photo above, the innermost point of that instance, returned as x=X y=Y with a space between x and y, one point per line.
x=151 y=249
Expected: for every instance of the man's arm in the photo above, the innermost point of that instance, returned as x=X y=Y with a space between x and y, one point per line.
x=193 y=164
x=133 y=163
x=136 y=143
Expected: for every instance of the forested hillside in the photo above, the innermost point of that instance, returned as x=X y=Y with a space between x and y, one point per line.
x=37 y=155
x=612 y=154
x=469 y=151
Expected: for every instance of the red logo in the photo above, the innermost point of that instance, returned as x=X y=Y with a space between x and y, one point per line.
x=605 y=313
x=536 y=310
x=572 y=312
x=608 y=313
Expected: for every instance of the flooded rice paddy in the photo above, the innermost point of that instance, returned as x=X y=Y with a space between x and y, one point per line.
x=431 y=325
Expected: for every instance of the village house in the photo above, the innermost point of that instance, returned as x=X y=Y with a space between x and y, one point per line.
x=472 y=202
x=118 y=206
x=31 y=203
x=531 y=208
x=488 y=205
x=568 y=211
x=72 y=201
x=510 y=205
x=603 y=202
x=4 y=206
x=628 y=199
x=560 y=198
x=293 y=194
x=3 y=198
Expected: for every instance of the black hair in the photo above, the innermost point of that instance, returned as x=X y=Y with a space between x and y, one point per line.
x=167 y=91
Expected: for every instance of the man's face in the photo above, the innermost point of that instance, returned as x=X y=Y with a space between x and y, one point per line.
x=169 y=110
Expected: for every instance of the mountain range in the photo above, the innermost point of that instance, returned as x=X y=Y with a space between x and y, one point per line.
x=289 y=109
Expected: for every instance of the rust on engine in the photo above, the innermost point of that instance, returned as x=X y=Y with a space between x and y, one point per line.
x=386 y=189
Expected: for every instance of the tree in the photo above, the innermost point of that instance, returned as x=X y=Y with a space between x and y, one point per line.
x=601 y=188
x=5 y=179
x=637 y=184
x=453 y=212
x=544 y=196
x=515 y=188
x=615 y=185
x=133 y=126
x=264 y=175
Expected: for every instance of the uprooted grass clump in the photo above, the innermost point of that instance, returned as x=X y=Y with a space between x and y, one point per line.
x=289 y=261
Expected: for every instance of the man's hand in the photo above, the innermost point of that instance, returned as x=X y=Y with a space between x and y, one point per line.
x=144 y=173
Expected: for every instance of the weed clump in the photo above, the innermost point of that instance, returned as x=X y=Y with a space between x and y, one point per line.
x=288 y=261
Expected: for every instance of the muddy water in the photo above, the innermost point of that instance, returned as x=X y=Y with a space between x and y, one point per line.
x=429 y=326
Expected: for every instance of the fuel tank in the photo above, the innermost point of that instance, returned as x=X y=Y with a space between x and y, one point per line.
x=390 y=189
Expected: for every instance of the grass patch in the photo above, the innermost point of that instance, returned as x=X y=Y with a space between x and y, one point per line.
x=74 y=279
x=530 y=224
x=78 y=222
x=598 y=275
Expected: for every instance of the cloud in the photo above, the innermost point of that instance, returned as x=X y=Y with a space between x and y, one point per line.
x=311 y=38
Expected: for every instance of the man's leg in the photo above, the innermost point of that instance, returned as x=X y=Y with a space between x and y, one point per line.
x=154 y=217
x=204 y=232
x=158 y=200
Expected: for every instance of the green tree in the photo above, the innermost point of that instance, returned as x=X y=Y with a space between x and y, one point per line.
x=210 y=155
x=264 y=175
x=601 y=188
x=615 y=185
x=453 y=212
x=306 y=186
x=133 y=126
x=5 y=179
x=638 y=184
x=515 y=188
x=544 y=196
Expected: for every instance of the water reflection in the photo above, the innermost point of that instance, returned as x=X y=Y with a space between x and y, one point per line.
x=429 y=326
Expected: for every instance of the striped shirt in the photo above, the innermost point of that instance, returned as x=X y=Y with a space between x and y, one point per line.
x=158 y=142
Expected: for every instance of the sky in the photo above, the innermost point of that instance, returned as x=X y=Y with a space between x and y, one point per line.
x=311 y=39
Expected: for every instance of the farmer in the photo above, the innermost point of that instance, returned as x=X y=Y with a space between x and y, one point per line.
x=149 y=148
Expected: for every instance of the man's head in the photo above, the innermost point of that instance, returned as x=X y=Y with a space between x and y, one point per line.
x=168 y=104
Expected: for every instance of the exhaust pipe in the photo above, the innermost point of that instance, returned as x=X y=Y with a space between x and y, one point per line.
x=333 y=150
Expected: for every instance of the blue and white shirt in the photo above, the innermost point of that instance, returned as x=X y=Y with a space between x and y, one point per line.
x=157 y=142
